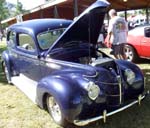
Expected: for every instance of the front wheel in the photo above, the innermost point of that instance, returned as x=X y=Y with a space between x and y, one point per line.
x=6 y=72
x=55 y=111
x=130 y=53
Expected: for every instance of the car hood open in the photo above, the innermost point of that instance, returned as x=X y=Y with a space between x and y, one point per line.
x=86 y=26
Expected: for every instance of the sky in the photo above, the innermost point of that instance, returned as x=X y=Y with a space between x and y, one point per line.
x=28 y=4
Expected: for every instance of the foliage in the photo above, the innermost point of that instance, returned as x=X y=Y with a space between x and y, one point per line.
x=8 y=10
x=19 y=8
x=4 y=13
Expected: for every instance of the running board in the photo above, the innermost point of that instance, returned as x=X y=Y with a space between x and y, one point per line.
x=26 y=85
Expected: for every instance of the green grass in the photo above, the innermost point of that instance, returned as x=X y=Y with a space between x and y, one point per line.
x=17 y=111
x=2 y=48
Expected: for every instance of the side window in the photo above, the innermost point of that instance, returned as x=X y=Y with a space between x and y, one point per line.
x=26 y=42
x=11 y=39
x=147 y=32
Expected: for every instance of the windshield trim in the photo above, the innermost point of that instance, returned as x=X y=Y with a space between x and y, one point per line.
x=45 y=44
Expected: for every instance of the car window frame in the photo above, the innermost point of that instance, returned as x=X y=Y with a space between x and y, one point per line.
x=11 y=43
x=21 y=49
x=52 y=31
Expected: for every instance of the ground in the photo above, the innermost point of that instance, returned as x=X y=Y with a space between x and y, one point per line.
x=17 y=111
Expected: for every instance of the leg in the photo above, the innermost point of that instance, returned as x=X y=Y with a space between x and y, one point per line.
x=116 y=49
x=122 y=55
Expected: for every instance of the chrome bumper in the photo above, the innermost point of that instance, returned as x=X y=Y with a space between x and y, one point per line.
x=105 y=114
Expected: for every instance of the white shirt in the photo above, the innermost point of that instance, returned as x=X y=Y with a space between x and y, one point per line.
x=118 y=28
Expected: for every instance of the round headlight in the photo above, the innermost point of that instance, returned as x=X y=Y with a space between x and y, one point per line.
x=93 y=90
x=130 y=76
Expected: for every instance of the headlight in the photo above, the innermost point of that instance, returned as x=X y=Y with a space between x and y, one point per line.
x=93 y=90
x=130 y=76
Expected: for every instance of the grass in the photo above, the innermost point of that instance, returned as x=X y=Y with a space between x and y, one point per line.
x=17 y=111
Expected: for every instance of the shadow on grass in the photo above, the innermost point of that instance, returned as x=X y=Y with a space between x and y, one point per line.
x=2 y=76
x=143 y=61
x=147 y=78
x=144 y=64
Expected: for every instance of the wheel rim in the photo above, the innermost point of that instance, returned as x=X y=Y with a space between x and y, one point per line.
x=6 y=71
x=54 y=109
x=128 y=53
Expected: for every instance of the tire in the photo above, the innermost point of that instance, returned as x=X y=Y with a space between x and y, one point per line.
x=6 y=72
x=55 y=111
x=130 y=53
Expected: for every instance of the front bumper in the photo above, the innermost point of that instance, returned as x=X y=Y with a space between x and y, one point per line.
x=105 y=114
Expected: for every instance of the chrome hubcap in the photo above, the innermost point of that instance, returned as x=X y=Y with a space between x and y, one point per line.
x=128 y=53
x=55 y=109
x=6 y=72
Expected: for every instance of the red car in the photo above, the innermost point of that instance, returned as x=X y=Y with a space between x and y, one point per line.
x=138 y=45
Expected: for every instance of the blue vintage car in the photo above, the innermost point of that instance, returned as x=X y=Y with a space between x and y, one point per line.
x=57 y=64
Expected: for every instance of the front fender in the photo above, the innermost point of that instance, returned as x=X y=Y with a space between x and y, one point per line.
x=63 y=89
x=7 y=60
x=138 y=85
x=123 y=64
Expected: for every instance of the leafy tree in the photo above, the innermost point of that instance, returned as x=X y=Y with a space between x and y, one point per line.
x=19 y=8
x=3 y=10
x=4 y=13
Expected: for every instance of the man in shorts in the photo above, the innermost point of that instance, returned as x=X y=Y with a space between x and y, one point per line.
x=117 y=34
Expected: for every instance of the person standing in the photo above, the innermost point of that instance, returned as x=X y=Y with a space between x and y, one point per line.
x=117 y=34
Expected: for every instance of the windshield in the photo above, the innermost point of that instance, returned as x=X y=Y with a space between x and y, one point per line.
x=47 y=38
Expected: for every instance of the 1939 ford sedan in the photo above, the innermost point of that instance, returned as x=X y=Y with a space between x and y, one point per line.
x=57 y=64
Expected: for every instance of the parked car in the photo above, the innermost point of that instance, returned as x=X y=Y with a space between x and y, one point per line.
x=57 y=64
x=138 y=44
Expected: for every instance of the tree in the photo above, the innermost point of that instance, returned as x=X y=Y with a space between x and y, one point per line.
x=4 y=13
x=19 y=8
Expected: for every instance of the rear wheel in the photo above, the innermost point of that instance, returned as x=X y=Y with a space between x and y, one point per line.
x=6 y=72
x=55 y=111
x=130 y=53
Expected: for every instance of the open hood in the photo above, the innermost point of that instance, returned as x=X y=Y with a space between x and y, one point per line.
x=86 y=26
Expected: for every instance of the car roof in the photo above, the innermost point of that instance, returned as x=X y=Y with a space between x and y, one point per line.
x=39 y=25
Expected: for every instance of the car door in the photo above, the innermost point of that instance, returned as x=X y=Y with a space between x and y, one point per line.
x=145 y=43
x=28 y=62
x=11 y=45
x=46 y=40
